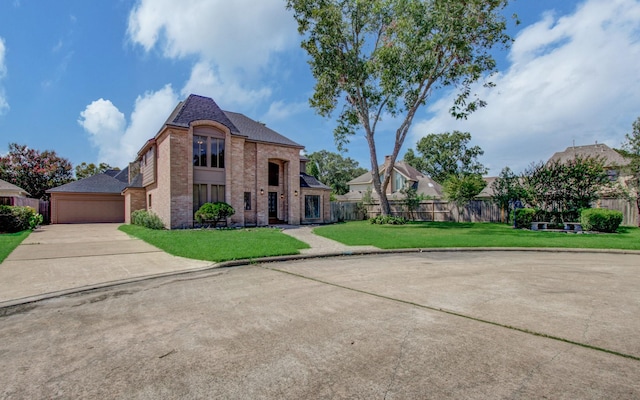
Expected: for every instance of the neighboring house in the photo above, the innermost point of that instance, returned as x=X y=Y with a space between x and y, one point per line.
x=612 y=159
x=487 y=193
x=10 y=190
x=402 y=175
x=94 y=199
x=204 y=154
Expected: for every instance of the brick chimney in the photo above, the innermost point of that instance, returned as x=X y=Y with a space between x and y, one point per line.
x=387 y=168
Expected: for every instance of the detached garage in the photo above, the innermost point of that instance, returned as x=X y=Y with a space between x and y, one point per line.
x=96 y=199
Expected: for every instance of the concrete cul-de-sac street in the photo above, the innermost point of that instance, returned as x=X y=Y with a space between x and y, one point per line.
x=467 y=324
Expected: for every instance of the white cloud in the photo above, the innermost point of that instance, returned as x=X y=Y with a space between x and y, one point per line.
x=279 y=110
x=232 y=41
x=239 y=33
x=118 y=142
x=571 y=79
x=4 y=105
x=206 y=82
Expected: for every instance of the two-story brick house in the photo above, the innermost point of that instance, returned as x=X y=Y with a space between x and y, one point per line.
x=203 y=154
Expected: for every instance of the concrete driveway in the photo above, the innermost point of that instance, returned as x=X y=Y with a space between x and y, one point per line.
x=441 y=325
x=57 y=258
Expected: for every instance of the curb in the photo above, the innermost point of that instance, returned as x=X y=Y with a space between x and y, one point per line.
x=7 y=305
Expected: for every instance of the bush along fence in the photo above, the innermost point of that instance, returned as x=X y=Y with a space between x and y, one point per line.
x=444 y=211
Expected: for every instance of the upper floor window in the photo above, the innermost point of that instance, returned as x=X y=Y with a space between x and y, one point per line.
x=208 y=152
x=217 y=152
x=400 y=182
x=199 y=151
x=274 y=174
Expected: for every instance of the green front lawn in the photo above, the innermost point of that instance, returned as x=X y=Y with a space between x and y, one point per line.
x=451 y=234
x=9 y=241
x=219 y=245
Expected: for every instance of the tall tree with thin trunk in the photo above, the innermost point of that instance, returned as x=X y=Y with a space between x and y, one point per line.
x=380 y=58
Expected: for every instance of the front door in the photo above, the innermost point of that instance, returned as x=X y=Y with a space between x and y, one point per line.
x=273 y=205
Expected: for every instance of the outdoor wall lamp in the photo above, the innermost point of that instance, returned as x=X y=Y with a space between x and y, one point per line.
x=261 y=191
x=295 y=193
x=281 y=195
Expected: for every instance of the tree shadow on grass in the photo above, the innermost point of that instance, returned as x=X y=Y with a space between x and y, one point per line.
x=624 y=229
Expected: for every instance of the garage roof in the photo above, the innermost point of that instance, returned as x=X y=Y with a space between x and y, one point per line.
x=101 y=183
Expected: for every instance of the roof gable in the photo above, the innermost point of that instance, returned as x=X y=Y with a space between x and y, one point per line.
x=7 y=187
x=198 y=108
x=400 y=167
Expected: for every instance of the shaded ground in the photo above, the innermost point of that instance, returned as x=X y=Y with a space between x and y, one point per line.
x=420 y=325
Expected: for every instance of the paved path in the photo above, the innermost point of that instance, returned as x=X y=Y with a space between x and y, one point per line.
x=431 y=325
x=320 y=245
x=57 y=259
x=54 y=259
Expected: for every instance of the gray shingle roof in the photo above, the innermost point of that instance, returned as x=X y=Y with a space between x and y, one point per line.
x=122 y=175
x=196 y=108
x=487 y=192
x=257 y=131
x=136 y=182
x=402 y=167
x=101 y=183
x=612 y=158
x=200 y=108
x=308 y=181
x=7 y=187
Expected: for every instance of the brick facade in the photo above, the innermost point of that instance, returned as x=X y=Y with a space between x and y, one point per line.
x=169 y=177
x=134 y=199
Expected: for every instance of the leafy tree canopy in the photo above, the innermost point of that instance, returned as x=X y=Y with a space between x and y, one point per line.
x=386 y=57
x=34 y=171
x=461 y=189
x=507 y=189
x=333 y=169
x=85 y=170
x=446 y=154
x=563 y=189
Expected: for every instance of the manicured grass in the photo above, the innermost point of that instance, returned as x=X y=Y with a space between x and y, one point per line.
x=9 y=241
x=219 y=245
x=450 y=234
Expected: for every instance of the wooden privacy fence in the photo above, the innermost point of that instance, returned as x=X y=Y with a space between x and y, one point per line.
x=628 y=209
x=430 y=210
x=475 y=211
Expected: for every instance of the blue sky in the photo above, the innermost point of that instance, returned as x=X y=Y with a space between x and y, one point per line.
x=93 y=80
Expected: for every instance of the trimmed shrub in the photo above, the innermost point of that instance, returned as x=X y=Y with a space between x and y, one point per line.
x=214 y=212
x=600 y=220
x=388 y=220
x=147 y=219
x=17 y=218
x=524 y=217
